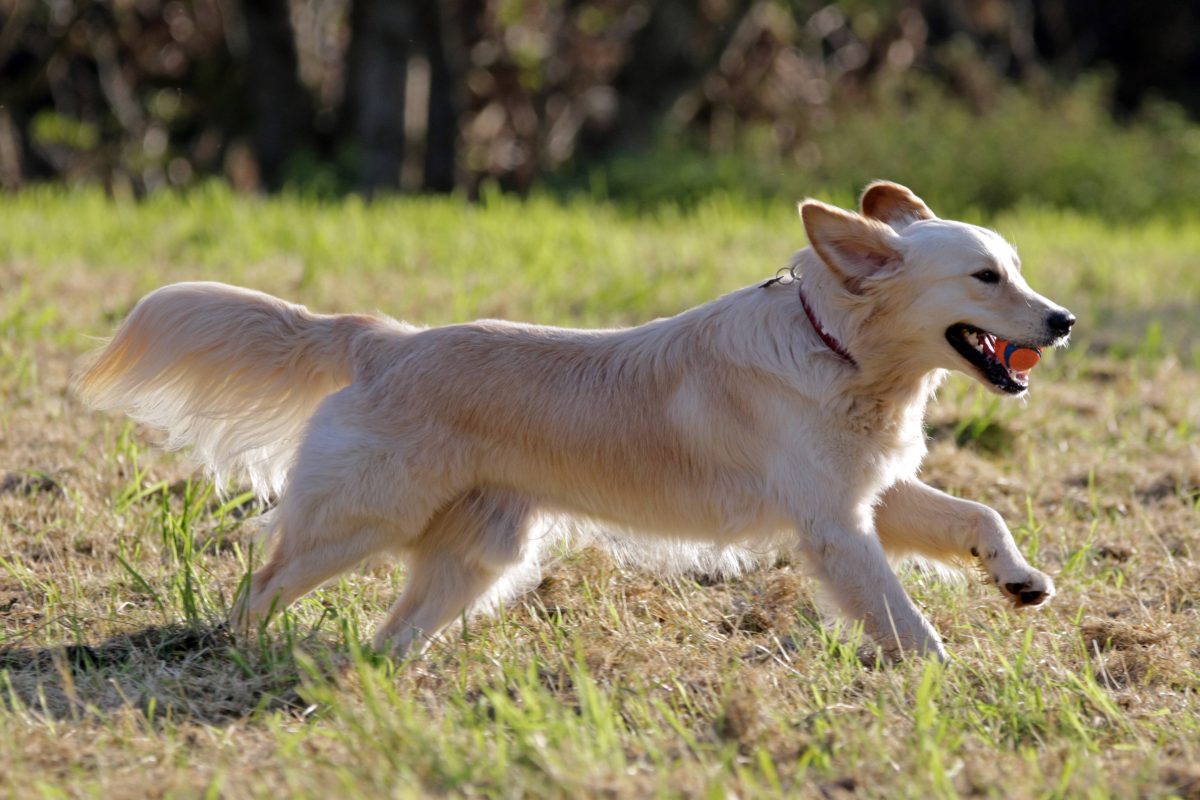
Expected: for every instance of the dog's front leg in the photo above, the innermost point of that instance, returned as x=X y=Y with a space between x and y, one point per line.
x=915 y=518
x=852 y=566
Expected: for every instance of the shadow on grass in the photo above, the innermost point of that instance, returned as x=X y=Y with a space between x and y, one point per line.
x=169 y=672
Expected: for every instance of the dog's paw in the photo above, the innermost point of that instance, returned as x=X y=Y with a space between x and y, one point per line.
x=874 y=655
x=1033 y=590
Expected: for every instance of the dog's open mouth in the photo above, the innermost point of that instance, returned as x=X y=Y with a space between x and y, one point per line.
x=979 y=348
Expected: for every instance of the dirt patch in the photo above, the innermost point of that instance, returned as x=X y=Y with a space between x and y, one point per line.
x=1109 y=634
x=30 y=483
x=1183 y=779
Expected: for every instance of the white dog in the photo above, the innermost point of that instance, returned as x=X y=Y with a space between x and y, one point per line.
x=791 y=406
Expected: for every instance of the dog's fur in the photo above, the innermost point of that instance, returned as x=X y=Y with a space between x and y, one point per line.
x=729 y=424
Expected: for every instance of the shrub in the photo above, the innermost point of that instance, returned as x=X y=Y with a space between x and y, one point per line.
x=1058 y=147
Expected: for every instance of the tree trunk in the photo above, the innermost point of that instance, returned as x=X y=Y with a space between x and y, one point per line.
x=381 y=32
x=441 y=130
x=665 y=63
x=283 y=110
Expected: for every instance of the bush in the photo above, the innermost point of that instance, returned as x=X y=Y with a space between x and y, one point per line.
x=1059 y=148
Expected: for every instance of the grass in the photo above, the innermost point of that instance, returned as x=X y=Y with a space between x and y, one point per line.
x=116 y=562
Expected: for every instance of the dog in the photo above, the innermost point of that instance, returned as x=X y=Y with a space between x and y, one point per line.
x=789 y=411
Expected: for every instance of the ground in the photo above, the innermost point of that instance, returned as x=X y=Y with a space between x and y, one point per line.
x=117 y=560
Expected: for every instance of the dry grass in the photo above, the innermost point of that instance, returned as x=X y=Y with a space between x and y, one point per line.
x=114 y=567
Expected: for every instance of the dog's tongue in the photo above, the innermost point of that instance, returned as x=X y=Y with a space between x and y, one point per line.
x=1017 y=358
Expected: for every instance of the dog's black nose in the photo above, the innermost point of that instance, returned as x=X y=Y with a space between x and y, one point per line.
x=1060 y=322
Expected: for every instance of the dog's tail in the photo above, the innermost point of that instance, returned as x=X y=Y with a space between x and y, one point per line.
x=233 y=373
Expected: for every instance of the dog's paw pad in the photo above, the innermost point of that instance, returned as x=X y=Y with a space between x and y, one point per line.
x=1032 y=597
x=1033 y=591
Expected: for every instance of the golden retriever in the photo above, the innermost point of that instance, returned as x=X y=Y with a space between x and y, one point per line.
x=787 y=412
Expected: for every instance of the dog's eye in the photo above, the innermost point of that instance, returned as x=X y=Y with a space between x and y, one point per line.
x=987 y=276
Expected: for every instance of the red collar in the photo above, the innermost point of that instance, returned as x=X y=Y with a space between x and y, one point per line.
x=830 y=342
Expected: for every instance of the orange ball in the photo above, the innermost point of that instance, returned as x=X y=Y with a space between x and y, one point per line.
x=1020 y=359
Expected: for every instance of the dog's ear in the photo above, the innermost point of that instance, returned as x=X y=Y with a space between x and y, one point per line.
x=852 y=246
x=893 y=204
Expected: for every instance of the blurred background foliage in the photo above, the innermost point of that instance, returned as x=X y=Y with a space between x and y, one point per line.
x=983 y=104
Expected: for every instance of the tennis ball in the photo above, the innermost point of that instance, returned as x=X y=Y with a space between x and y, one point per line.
x=1016 y=357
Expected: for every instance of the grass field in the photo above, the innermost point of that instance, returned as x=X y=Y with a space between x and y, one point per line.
x=116 y=561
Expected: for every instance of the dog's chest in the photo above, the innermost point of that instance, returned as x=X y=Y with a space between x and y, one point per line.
x=900 y=450
x=900 y=461
x=845 y=465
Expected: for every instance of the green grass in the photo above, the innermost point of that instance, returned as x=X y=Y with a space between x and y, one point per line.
x=114 y=565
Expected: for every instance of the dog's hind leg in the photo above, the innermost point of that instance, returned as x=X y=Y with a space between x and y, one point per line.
x=351 y=494
x=466 y=548
x=917 y=519
x=318 y=534
x=301 y=562
x=853 y=569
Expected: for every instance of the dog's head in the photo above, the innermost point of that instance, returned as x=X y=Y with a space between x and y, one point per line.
x=937 y=293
